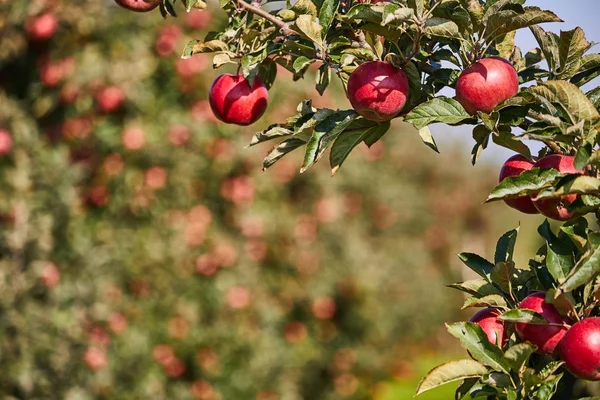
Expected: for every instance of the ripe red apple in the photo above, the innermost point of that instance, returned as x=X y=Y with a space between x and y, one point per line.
x=110 y=99
x=233 y=101
x=545 y=337
x=557 y=208
x=6 y=142
x=580 y=349
x=377 y=90
x=513 y=167
x=493 y=327
x=42 y=27
x=485 y=84
x=139 y=5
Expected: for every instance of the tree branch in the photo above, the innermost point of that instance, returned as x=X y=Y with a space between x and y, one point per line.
x=283 y=27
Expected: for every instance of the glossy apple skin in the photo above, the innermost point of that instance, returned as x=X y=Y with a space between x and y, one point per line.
x=513 y=167
x=485 y=84
x=557 y=208
x=493 y=327
x=545 y=337
x=139 y=5
x=377 y=90
x=233 y=101
x=580 y=349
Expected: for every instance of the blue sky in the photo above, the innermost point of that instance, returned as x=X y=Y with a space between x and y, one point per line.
x=582 y=13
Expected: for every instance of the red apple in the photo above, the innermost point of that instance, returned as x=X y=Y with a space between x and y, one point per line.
x=42 y=27
x=377 y=90
x=580 y=349
x=557 y=207
x=485 y=84
x=493 y=327
x=139 y=5
x=545 y=337
x=5 y=142
x=233 y=101
x=513 y=167
x=110 y=99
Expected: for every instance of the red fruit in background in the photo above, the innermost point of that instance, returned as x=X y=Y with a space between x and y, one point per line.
x=197 y=19
x=95 y=358
x=377 y=90
x=545 y=337
x=139 y=5
x=557 y=208
x=493 y=327
x=110 y=99
x=233 y=101
x=133 y=138
x=179 y=135
x=485 y=84
x=6 y=142
x=513 y=167
x=42 y=27
x=580 y=349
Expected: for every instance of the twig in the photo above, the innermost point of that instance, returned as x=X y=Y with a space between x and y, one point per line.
x=283 y=27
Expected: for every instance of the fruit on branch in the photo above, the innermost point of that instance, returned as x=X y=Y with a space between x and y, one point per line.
x=110 y=99
x=580 y=349
x=493 y=327
x=513 y=167
x=557 y=207
x=545 y=337
x=485 y=84
x=377 y=90
x=139 y=5
x=234 y=101
x=42 y=27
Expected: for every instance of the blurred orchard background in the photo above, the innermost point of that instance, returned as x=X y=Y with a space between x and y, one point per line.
x=144 y=255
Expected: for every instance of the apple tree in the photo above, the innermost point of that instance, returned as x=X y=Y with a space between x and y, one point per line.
x=400 y=59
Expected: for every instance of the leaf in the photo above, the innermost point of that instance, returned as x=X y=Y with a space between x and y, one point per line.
x=506 y=21
x=580 y=184
x=518 y=354
x=477 y=263
x=548 y=42
x=506 y=246
x=559 y=254
x=525 y=316
x=587 y=267
x=476 y=287
x=450 y=372
x=347 y=141
x=395 y=13
x=572 y=46
x=323 y=77
x=570 y=97
x=301 y=64
x=324 y=134
x=326 y=14
x=481 y=134
x=305 y=7
x=197 y=46
x=428 y=139
x=442 y=27
x=366 y=12
x=589 y=69
x=475 y=341
x=439 y=109
x=306 y=25
x=272 y=132
x=281 y=150
x=493 y=300
x=527 y=183
x=220 y=60
x=502 y=275
x=503 y=137
x=463 y=389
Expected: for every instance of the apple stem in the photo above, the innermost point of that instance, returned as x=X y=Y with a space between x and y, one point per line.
x=283 y=27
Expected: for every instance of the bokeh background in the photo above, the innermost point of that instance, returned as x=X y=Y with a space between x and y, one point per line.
x=144 y=255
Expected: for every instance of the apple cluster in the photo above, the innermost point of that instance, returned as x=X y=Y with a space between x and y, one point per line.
x=576 y=344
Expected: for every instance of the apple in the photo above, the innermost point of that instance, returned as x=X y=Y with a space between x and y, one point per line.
x=545 y=337
x=513 y=167
x=580 y=349
x=6 y=142
x=139 y=5
x=377 y=90
x=485 y=84
x=493 y=327
x=42 y=27
x=233 y=101
x=110 y=99
x=557 y=207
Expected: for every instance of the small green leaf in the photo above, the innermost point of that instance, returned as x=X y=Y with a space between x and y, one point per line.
x=439 y=109
x=326 y=14
x=442 y=27
x=272 y=132
x=477 y=263
x=305 y=7
x=450 y=372
x=587 y=267
x=281 y=150
x=301 y=64
x=548 y=42
x=347 y=141
x=559 y=253
x=323 y=77
x=589 y=69
x=492 y=300
x=518 y=354
x=509 y=20
x=393 y=13
x=570 y=97
x=475 y=341
x=197 y=46
x=572 y=46
x=580 y=184
x=525 y=316
x=506 y=246
x=463 y=389
x=220 y=60
x=428 y=139
x=529 y=182
x=306 y=25
x=502 y=275
x=476 y=287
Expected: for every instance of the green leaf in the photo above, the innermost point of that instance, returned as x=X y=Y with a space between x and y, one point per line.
x=502 y=275
x=506 y=246
x=366 y=12
x=492 y=300
x=323 y=77
x=518 y=354
x=197 y=46
x=559 y=254
x=441 y=27
x=570 y=97
x=572 y=46
x=281 y=150
x=503 y=137
x=475 y=341
x=439 y=109
x=347 y=141
x=305 y=7
x=324 y=134
x=463 y=389
x=477 y=263
x=394 y=13
x=220 y=60
x=302 y=63
x=529 y=182
x=589 y=69
x=587 y=267
x=476 y=287
x=428 y=139
x=450 y=372
x=525 y=316
x=272 y=132
x=306 y=25
x=580 y=184
x=506 y=21
x=326 y=14
x=548 y=42
x=481 y=134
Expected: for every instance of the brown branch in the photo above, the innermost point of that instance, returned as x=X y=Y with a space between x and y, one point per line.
x=283 y=27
